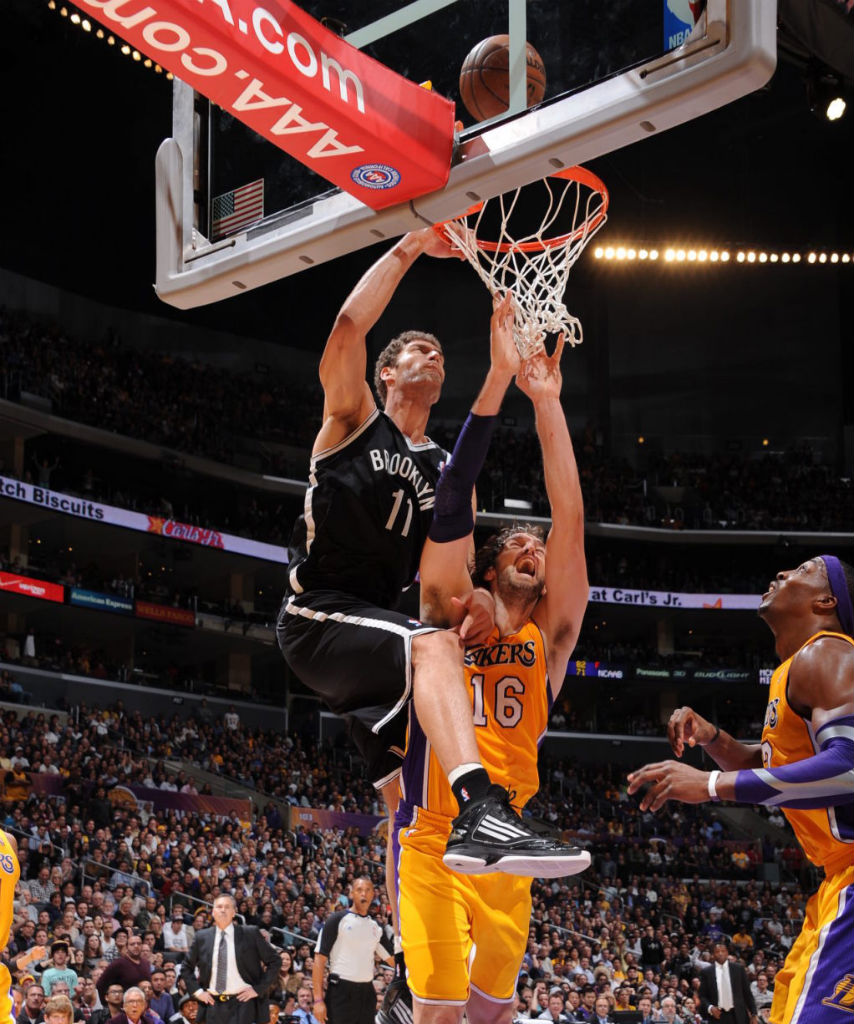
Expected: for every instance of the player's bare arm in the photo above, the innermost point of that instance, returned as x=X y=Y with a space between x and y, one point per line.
x=687 y=728
x=347 y=396
x=820 y=690
x=560 y=610
x=447 y=597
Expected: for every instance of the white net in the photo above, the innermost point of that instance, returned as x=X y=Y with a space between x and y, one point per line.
x=536 y=265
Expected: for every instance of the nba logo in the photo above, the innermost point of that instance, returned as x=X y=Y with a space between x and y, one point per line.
x=680 y=16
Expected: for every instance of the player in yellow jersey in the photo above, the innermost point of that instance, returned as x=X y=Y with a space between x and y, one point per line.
x=804 y=765
x=10 y=872
x=464 y=935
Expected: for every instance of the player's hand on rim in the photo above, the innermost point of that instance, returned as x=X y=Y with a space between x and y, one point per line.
x=434 y=242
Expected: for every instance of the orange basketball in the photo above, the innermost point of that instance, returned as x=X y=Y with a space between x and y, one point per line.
x=485 y=78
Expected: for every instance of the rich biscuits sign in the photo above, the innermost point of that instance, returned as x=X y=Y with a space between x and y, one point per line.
x=360 y=125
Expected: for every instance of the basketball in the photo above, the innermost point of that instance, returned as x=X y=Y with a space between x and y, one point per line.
x=485 y=77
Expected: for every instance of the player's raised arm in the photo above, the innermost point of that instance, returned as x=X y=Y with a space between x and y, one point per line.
x=445 y=583
x=561 y=609
x=347 y=395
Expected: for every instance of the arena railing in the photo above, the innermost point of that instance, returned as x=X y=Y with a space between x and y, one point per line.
x=105 y=872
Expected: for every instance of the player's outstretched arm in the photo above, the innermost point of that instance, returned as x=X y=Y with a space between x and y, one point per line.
x=347 y=397
x=820 y=689
x=561 y=609
x=687 y=728
x=446 y=591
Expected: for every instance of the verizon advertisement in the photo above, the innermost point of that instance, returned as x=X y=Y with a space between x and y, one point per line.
x=355 y=122
x=85 y=508
x=12 y=584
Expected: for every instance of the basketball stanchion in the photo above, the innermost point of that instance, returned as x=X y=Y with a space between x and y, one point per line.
x=535 y=266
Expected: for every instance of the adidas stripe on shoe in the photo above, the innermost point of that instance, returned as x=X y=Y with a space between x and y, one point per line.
x=490 y=836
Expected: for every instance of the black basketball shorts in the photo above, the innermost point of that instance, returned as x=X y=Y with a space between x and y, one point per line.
x=358 y=658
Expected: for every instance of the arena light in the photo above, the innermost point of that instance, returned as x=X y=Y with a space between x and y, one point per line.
x=706 y=256
x=825 y=92
x=75 y=17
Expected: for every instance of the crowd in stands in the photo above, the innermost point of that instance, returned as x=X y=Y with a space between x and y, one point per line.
x=192 y=407
x=198 y=408
x=96 y=872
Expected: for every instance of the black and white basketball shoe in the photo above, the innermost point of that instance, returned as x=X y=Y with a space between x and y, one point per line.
x=490 y=836
x=397 y=1004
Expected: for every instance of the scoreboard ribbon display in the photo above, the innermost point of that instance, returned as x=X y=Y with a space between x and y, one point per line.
x=357 y=123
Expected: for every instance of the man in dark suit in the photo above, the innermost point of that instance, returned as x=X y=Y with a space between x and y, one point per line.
x=232 y=968
x=724 y=992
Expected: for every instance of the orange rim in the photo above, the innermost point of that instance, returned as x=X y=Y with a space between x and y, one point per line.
x=578 y=174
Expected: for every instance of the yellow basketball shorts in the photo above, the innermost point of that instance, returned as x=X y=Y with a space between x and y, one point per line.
x=6 y=1004
x=816 y=984
x=459 y=932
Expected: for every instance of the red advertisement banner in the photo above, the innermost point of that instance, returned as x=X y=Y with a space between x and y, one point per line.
x=378 y=136
x=31 y=588
x=165 y=613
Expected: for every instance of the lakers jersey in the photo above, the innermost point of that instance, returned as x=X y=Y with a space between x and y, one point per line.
x=368 y=508
x=508 y=686
x=826 y=833
x=10 y=872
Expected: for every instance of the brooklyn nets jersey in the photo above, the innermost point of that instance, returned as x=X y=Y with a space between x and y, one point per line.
x=368 y=508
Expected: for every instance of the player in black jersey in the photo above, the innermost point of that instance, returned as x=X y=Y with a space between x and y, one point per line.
x=368 y=508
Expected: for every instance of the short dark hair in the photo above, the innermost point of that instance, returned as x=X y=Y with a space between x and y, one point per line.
x=389 y=356
x=487 y=554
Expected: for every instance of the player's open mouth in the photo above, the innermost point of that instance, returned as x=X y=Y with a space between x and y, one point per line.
x=527 y=567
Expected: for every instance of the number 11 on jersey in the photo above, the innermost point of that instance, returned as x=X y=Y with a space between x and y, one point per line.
x=395 y=510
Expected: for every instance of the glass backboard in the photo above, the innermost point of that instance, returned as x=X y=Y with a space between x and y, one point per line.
x=235 y=212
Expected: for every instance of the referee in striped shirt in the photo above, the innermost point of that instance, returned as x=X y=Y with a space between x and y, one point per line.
x=349 y=942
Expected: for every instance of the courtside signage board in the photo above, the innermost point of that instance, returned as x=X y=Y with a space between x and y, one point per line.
x=100 y=602
x=11 y=583
x=671 y=599
x=355 y=122
x=85 y=508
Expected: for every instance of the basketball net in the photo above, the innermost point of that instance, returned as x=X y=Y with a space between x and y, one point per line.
x=536 y=266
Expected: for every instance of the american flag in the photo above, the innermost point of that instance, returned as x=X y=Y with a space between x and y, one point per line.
x=234 y=210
